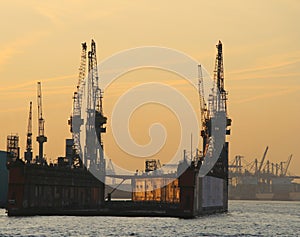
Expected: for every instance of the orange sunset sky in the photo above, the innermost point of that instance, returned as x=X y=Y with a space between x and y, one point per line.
x=41 y=41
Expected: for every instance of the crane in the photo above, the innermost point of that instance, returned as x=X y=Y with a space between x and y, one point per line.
x=82 y=73
x=76 y=112
x=263 y=159
x=28 y=152
x=203 y=110
x=287 y=164
x=220 y=95
x=95 y=118
x=75 y=120
x=218 y=101
x=82 y=68
x=41 y=138
x=215 y=110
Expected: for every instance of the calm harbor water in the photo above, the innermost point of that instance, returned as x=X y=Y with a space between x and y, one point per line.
x=245 y=218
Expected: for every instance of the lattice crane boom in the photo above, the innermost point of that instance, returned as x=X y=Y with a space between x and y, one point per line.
x=204 y=114
x=82 y=68
x=76 y=111
x=40 y=111
x=203 y=107
x=76 y=120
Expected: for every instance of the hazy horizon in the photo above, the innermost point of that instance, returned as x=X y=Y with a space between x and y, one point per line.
x=41 y=42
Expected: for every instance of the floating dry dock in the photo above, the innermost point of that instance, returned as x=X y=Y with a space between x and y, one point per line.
x=59 y=190
x=69 y=188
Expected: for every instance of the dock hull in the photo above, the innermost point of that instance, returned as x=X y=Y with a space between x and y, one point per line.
x=108 y=211
x=35 y=190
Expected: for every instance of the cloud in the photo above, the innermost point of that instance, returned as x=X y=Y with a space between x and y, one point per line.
x=267 y=95
x=65 y=12
x=266 y=67
x=260 y=87
x=262 y=76
x=282 y=65
x=33 y=82
x=17 y=46
x=53 y=15
x=6 y=53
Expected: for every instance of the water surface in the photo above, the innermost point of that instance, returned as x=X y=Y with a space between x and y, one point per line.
x=245 y=218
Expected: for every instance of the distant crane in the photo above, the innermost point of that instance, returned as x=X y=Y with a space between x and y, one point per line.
x=287 y=164
x=262 y=160
x=28 y=152
x=41 y=130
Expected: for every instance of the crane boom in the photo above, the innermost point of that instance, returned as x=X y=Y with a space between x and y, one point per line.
x=82 y=73
x=75 y=120
x=40 y=112
x=82 y=68
x=76 y=110
x=263 y=159
x=203 y=108
x=288 y=164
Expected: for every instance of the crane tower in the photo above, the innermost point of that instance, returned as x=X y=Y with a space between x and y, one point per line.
x=95 y=118
x=217 y=100
x=90 y=120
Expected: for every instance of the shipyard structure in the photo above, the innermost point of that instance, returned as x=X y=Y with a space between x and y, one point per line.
x=262 y=180
x=70 y=188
